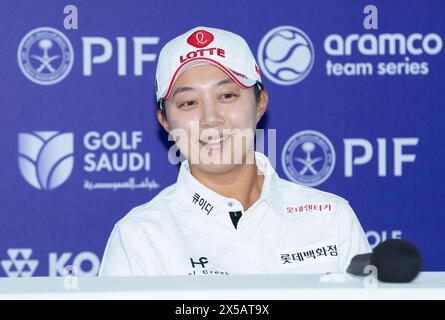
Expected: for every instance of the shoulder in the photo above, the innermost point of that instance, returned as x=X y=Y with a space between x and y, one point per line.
x=153 y=211
x=292 y=191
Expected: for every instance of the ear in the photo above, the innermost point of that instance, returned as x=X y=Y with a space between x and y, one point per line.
x=262 y=105
x=163 y=121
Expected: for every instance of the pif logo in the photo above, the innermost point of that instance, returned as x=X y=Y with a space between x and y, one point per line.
x=45 y=56
x=200 y=38
x=308 y=158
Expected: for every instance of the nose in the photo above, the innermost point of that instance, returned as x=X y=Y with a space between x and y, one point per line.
x=211 y=116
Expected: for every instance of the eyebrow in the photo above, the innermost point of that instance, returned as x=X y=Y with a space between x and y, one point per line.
x=225 y=81
x=184 y=89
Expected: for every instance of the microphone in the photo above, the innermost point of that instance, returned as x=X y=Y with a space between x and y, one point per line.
x=396 y=260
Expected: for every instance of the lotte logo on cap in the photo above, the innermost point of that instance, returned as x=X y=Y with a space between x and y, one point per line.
x=200 y=38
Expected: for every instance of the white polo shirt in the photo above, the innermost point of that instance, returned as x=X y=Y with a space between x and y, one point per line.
x=188 y=229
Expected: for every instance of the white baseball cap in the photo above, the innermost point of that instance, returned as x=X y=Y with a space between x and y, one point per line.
x=202 y=45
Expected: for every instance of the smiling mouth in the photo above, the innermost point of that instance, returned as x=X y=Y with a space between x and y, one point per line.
x=214 y=142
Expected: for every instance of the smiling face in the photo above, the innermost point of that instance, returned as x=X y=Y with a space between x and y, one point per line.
x=212 y=119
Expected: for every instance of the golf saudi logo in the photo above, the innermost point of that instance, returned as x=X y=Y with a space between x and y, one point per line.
x=286 y=55
x=308 y=158
x=46 y=158
x=45 y=56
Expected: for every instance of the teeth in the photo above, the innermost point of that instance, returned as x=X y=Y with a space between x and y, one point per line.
x=213 y=141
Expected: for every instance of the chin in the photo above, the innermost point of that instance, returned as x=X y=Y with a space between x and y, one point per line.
x=216 y=168
x=215 y=164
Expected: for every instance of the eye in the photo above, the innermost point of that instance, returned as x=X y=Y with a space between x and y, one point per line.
x=188 y=103
x=228 y=96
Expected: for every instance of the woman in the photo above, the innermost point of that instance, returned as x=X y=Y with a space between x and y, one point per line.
x=229 y=212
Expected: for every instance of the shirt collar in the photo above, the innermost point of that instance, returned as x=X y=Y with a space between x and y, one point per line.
x=271 y=191
x=208 y=203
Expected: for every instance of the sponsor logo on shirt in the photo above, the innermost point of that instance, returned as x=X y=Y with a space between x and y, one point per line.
x=318 y=253
x=200 y=268
x=202 y=262
x=310 y=208
x=202 y=203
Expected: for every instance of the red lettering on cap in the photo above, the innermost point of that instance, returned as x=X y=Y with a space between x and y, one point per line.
x=257 y=70
x=200 y=38
x=201 y=53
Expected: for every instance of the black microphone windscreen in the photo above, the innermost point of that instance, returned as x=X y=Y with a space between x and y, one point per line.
x=396 y=260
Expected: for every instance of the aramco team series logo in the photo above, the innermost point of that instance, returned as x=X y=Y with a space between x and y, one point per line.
x=45 y=56
x=46 y=158
x=19 y=263
x=286 y=55
x=308 y=158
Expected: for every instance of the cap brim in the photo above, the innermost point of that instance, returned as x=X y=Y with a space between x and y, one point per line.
x=242 y=82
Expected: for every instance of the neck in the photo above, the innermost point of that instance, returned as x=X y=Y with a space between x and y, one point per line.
x=242 y=182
